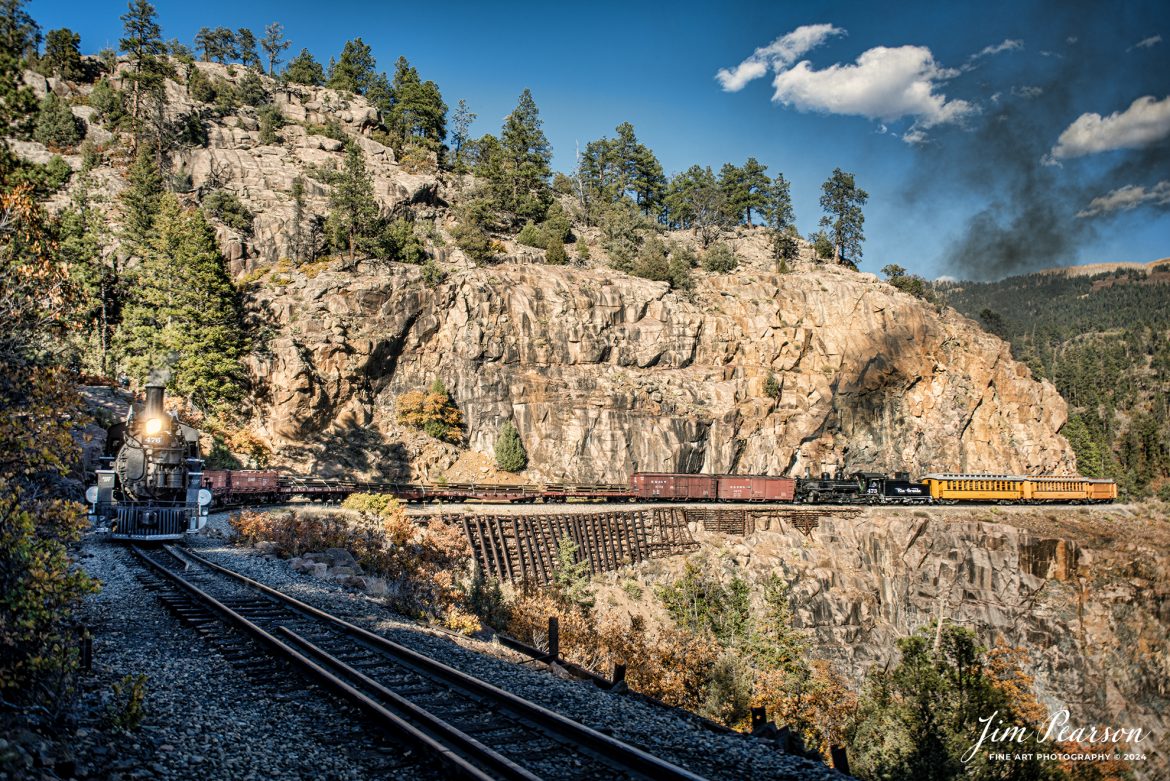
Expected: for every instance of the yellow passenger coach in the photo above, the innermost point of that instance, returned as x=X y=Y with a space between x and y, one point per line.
x=1006 y=489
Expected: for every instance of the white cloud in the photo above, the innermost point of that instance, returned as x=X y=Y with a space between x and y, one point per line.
x=777 y=55
x=1145 y=122
x=884 y=84
x=1009 y=44
x=1146 y=43
x=1128 y=197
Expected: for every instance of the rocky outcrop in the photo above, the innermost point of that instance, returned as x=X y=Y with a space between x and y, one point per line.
x=1085 y=592
x=604 y=374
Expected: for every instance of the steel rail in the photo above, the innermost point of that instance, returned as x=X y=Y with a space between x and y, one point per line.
x=385 y=718
x=642 y=763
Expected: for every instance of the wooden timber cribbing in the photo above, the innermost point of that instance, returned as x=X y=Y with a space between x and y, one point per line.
x=523 y=548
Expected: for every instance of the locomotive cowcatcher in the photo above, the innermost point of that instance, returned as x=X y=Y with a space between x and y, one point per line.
x=150 y=479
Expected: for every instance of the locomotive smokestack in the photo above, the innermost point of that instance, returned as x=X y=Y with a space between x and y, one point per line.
x=154 y=401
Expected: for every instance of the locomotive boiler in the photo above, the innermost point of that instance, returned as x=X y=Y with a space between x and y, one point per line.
x=150 y=479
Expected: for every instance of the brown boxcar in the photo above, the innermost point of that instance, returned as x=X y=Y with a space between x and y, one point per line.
x=668 y=485
x=253 y=481
x=756 y=488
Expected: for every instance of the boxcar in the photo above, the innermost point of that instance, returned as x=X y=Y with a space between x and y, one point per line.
x=672 y=486
x=755 y=488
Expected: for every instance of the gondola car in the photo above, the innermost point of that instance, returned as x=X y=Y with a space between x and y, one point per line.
x=149 y=484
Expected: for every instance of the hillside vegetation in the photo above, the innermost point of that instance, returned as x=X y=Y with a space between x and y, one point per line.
x=1104 y=341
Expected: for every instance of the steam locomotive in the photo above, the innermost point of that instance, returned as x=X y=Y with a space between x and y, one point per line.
x=150 y=479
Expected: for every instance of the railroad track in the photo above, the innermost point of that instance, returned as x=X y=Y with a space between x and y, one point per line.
x=474 y=729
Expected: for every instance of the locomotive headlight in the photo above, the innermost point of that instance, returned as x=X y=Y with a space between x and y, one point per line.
x=153 y=426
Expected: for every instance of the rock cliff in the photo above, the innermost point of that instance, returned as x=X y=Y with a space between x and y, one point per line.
x=604 y=374
x=1086 y=593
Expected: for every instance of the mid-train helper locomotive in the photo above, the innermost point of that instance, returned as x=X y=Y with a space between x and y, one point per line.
x=151 y=484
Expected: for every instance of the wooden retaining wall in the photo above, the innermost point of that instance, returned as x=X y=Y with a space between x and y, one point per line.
x=523 y=548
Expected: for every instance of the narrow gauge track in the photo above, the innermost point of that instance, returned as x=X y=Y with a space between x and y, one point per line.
x=473 y=728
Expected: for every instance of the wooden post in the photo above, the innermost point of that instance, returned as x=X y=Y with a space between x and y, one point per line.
x=519 y=549
x=554 y=639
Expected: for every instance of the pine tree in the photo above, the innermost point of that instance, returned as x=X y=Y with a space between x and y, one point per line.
x=140 y=200
x=523 y=189
x=694 y=200
x=183 y=311
x=461 y=133
x=353 y=215
x=303 y=69
x=570 y=577
x=148 y=66
x=412 y=109
x=246 y=48
x=18 y=105
x=274 y=45
x=56 y=125
x=63 y=53
x=842 y=200
x=754 y=188
x=81 y=234
x=510 y=454
x=355 y=69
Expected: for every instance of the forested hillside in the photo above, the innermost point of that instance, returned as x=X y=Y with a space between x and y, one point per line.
x=1104 y=341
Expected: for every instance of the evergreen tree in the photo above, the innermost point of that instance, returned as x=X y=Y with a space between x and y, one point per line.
x=461 y=133
x=780 y=218
x=274 y=45
x=18 y=105
x=744 y=189
x=303 y=69
x=353 y=215
x=81 y=235
x=218 y=45
x=183 y=310
x=246 y=48
x=63 y=53
x=621 y=167
x=149 y=69
x=140 y=200
x=355 y=69
x=418 y=112
x=510 y=454
x=523 y=190
x=842 y=200
x=570 y=577
x=694 y=200
x=56 y=125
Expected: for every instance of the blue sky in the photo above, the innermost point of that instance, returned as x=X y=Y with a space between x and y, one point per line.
x=992 y=138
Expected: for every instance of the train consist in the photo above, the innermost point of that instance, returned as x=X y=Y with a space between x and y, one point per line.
x=151 y=484
x=243 y=487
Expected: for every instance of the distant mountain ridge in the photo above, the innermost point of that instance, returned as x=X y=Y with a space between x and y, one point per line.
x=1093 y=269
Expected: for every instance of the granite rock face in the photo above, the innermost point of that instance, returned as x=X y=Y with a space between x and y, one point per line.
x=604 y=374
x=1085 y=592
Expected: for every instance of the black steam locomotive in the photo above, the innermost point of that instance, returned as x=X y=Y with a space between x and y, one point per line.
x=150 y=480
x=862 y=487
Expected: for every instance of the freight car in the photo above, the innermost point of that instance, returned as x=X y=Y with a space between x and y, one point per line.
x=1019 y=489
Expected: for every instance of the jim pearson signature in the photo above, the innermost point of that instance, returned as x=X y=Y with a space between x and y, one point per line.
x=1058 y=730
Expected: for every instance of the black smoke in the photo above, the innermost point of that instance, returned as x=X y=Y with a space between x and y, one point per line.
x=1027 y=219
